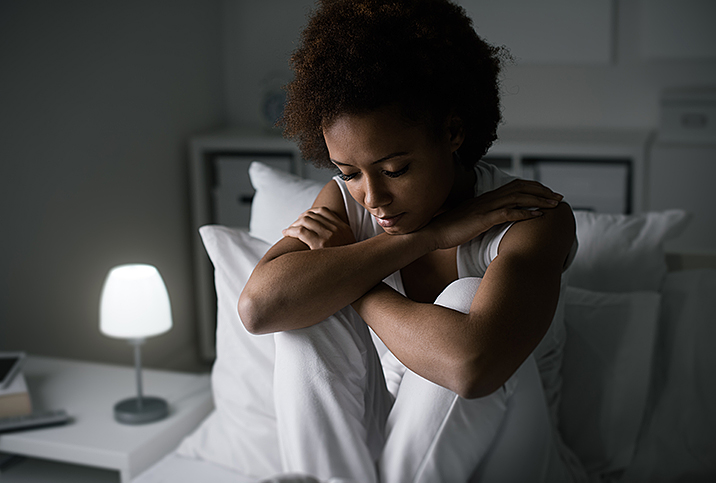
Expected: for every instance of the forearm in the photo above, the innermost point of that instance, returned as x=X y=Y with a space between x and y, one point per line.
x=471 y=353
x=427 y=338
x=293 y=289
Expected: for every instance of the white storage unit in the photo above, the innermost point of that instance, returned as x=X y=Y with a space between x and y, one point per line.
x=601 y=186
x=682 y=176
x=682 y=166
x=688 y=116
x=596 y=170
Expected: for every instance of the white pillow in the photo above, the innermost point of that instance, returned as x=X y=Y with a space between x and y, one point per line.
x=280 y=198
x=241 y=433
x=605 y=374
x=623 y=253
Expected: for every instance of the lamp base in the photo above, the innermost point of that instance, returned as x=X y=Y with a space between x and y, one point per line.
x=129 y=411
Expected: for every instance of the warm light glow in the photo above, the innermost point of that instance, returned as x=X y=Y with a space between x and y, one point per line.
x=135 y=303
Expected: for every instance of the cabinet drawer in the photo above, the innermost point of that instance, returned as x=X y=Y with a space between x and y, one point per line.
x=688 y=123
x=688 y=116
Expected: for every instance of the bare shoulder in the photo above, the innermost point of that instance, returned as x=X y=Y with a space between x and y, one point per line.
x=331 y=197
x=547 y=238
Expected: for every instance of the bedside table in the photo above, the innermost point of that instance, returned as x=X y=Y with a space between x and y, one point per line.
x=88 y=392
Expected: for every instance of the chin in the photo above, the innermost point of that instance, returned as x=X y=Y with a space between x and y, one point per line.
x=403 y=230
x=394 y=230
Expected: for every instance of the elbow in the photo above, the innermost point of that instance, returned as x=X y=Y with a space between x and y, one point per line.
x=474 y=381
x=250 y=314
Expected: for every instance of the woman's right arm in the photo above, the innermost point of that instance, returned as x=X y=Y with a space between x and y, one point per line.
x=297 y=285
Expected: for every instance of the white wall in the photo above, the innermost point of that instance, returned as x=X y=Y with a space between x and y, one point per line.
x=259 y=37
x=650 y=46
x=621 y=94
x=97 y=102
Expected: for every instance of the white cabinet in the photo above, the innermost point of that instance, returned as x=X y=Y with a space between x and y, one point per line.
x=682 y=166
x=601 y=186
x=88 y=391
x=682 y=176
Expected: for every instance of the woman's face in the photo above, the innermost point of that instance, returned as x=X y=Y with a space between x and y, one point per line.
x=400 y=172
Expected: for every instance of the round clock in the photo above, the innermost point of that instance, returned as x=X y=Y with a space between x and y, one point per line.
x=272 y=106
x=273 y=99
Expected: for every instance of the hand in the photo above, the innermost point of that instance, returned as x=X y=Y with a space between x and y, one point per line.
x=320 y=228
x=517 y=200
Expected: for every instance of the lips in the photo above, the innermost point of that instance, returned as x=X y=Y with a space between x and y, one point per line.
x=388 y=221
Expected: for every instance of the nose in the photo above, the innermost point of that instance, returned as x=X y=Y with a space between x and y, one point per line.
x=375 y=193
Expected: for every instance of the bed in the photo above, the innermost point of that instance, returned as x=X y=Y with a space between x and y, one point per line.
x=634 y=397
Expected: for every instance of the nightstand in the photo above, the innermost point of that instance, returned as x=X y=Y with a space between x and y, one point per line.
x=88 y=392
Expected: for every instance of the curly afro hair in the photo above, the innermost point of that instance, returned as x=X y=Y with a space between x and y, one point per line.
x=424 y=56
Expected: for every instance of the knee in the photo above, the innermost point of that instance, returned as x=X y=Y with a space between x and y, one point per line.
x=459 y=294
x=332 y=342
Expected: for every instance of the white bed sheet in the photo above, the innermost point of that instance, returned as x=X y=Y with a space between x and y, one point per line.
x=178 y=469
x=678 y=437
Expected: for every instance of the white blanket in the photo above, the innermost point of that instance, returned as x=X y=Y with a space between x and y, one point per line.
x=678 y=436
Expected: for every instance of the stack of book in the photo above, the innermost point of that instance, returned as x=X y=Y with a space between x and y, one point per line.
x=14 y=396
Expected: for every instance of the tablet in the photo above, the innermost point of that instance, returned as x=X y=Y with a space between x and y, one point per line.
x=10 y=365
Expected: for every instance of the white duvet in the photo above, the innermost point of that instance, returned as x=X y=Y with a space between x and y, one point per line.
x=677 y=440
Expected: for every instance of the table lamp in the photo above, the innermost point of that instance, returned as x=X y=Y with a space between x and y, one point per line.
x=135 y=305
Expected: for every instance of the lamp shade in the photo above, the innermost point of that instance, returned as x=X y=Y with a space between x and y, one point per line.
x=134 y=303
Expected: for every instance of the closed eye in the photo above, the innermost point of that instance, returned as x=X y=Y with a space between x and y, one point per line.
x=347 y=177
x=395 y=174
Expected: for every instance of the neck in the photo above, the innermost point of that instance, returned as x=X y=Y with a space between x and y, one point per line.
x=464 y=185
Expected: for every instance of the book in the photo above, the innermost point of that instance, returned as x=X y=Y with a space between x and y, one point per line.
x=15 y=398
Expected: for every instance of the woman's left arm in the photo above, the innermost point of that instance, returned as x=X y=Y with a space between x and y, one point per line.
x=474 y=354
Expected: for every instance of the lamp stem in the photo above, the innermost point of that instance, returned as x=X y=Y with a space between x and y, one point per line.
x=140 y=409
x=138 y=368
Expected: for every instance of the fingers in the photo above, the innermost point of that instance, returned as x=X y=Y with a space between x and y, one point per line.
x=310 y=238
x=512 y=214
x=521 y=194
x=320 y=227
x=318 y=220
x=324 y=213
x=534 y=188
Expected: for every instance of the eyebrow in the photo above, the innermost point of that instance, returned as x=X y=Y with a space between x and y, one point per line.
x=385 y=158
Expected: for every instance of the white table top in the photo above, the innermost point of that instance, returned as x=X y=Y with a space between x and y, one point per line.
x=88 y=392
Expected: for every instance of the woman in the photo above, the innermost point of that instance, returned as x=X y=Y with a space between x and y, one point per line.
x=402 y=98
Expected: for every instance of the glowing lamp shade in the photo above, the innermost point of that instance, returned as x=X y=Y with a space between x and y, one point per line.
x=135 y=305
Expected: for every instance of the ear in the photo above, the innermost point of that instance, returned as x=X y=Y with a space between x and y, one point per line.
x=456 y=132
